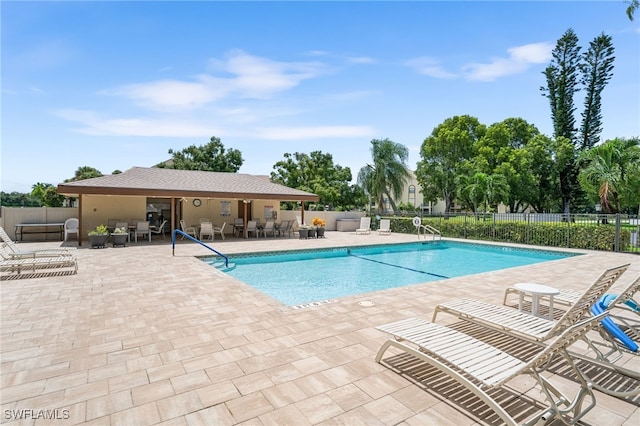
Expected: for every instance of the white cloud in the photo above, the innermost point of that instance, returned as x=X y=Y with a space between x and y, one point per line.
x=361 y=60
x=259 y=78
x=172 y=94
x=93 y=124
x=520 y=59
x=244 y=75
x=429 y=66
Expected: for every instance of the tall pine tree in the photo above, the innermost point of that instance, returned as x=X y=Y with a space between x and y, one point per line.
x=566 y=72
x=596 y=68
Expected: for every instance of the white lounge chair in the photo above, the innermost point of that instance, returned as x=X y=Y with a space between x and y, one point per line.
x=18 y=265
x=365 y=226
x=619 y=334
x=524 y=325
x=385 y=227
x=12 y=250
x=480 y=367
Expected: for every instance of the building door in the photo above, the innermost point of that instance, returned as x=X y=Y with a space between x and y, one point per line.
x=241 y=204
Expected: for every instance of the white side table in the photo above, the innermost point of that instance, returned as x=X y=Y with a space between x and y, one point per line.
x=536 y=291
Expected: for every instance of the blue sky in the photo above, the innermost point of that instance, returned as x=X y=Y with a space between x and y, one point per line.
x=113 y=85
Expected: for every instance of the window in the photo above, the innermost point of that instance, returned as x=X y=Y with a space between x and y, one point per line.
x=412 y=195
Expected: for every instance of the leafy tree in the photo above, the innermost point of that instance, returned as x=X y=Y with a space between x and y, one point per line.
x=502 y=150
x=388 y=173
x=46 y=194
x=544 y=189
x=443 y=154
x=18 y=199
x=212 y=157
x=51 y=197
x=596 y=68
x=318 y=174
x=85 y=172
x=610 y=168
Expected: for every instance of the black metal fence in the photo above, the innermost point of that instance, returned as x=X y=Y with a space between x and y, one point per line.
x=619 y=233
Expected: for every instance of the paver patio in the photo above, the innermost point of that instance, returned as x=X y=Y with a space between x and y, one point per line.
x=139 y=336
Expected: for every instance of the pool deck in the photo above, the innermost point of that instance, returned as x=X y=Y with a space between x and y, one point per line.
x=139 y=336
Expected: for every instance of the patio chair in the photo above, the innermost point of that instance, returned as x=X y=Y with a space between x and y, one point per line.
x=238 y=225
x=160 y=229
x=480 y=367
x=189 y=230
x=206 y=228
x=524 y=325
x=219 y=230
x=285 y=227
x=385 y=227
x=125 y=226
x=142 y=228
x=112 y=224
x=12 y=250
x=252 y=226
x=270 y=226
x=71 y=226
x=365 y=226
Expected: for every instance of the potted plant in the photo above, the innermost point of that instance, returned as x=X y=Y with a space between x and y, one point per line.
x=119 y=236
x=312 y=231
x=99 y=236
x=319 y=223
x=303 y=230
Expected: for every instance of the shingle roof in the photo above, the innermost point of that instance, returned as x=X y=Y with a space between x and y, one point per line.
x=159 y=182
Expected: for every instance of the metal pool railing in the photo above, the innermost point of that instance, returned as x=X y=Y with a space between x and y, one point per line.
x=184 y=234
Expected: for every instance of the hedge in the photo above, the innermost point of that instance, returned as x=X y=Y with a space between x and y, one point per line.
x=572 y=235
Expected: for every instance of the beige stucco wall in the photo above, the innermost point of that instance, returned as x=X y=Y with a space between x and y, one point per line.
x=99 y=209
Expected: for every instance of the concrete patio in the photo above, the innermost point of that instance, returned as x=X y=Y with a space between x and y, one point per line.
x=141 y=336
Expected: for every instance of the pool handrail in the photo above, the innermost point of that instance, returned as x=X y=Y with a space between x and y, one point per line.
x=184 y=234
x=429 y=228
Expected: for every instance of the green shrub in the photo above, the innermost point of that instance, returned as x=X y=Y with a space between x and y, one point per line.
x=573 y=235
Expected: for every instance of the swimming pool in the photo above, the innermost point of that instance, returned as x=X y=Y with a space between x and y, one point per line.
x=299 y=277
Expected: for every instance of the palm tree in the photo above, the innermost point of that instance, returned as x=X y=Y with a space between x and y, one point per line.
x=633 y=6
x=85 y=172
x=483 y=190
x=606 y=168
x=38 y=189
x=388 y=173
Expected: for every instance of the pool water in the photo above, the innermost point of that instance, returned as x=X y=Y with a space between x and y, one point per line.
x=301 y=277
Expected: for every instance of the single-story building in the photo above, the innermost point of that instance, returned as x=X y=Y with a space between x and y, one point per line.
x=156 y=194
